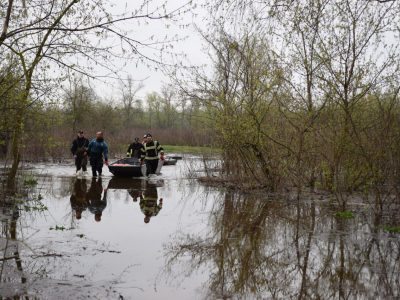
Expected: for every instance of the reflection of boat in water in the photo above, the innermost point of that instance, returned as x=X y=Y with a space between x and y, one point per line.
x=120 y=183
x=126 y=167
x=134 y=186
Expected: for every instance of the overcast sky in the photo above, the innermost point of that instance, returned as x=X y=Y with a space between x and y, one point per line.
x=191 y=46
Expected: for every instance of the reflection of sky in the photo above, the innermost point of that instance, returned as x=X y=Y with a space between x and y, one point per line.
x=259 y=241
x=121 y=229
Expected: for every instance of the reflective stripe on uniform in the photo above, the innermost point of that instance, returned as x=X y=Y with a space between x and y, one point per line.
x=156 y=146
x=151 y=157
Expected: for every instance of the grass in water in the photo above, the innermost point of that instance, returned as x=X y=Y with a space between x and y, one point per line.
x=392 y=229
x=190 y=149
x=30 y=181
x=344 y=214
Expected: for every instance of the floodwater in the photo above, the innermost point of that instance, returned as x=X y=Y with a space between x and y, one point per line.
x=84 y=238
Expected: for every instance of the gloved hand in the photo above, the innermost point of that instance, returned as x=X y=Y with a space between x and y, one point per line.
x=106 y=162
x=162 y=156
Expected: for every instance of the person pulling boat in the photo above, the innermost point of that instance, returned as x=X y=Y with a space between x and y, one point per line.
x=150 y=151
x=97 y=149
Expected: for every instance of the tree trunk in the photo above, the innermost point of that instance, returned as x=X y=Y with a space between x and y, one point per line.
x=15 y=153
x=16 y=141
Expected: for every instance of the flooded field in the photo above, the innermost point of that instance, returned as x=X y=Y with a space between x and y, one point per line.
x=169 y=237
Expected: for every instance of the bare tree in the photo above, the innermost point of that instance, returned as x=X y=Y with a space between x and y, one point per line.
x=130 y=99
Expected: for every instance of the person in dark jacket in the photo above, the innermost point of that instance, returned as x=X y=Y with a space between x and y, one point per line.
x=78 y=198
x=98 y=149
x=149 y=204
x=135 y=149
x=96 y=203
x=79 y=151
x=150 y=152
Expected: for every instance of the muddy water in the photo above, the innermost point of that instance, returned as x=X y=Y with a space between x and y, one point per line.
x=79 y=238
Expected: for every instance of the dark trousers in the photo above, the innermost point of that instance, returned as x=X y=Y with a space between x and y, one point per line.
x=81 y=162
x=151 y=166
x=97 y=164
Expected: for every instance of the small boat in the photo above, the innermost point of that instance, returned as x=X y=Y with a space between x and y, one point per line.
x=126 y=167
x=169 y=161
x=177 y=157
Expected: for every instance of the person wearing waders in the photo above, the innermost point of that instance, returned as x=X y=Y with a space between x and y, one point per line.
x=149 y=204
x=135 y=149
x=79 y=151
x=98 y=149
x=149 y=155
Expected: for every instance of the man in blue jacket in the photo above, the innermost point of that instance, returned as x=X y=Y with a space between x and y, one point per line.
x=98 y=149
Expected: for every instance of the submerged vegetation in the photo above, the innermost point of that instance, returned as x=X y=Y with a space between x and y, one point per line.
x=344 y=214
x=30 y=181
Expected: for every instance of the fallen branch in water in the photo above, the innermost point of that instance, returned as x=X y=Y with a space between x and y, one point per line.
x=47 y=255
x=109 y=251
x=8 y=258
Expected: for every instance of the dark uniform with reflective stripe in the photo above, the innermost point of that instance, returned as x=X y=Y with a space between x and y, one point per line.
x=135 y=150
x=150 y=152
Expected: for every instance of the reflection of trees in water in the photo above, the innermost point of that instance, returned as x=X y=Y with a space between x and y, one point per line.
x=37 y=269
x=279 y=249
x=9 y=245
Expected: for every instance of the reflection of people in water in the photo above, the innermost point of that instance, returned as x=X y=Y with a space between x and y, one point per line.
x=96 y=203
x=149 y=204
x=78 y=198
x=135 y=194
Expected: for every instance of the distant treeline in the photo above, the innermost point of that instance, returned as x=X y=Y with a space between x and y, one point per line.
x=49 y=128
